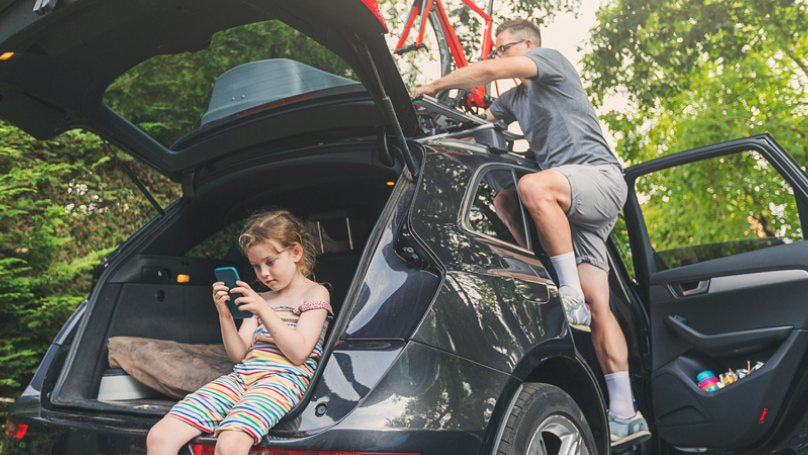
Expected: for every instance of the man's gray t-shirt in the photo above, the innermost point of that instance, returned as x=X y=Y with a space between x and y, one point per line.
x=555 y=114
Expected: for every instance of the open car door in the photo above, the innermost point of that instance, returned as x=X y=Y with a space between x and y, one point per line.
x=717 y=238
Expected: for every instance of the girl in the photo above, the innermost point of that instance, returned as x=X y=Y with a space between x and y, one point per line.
x=276 y=351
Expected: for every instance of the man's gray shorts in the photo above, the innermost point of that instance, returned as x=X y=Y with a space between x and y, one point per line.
x=598 y=195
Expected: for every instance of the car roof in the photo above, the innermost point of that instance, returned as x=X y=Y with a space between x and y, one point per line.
x=63 y=60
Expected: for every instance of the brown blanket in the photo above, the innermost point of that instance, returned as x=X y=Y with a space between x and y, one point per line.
x=172 y=368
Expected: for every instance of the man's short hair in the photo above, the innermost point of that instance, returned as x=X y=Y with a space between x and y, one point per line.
x=519 y=26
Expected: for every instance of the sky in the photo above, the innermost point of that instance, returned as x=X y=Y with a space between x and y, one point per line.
x=566 y=34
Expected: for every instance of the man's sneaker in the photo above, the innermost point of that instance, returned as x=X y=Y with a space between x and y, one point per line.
x=575 y=309
x=628 y=432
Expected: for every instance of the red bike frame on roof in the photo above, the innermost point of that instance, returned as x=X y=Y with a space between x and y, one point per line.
x=477 y=96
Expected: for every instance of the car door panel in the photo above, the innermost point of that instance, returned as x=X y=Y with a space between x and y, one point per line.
x=735 y=416
x=722 y=313
x=734 y=302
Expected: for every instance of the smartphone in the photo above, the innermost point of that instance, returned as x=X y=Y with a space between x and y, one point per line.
x=229 y=276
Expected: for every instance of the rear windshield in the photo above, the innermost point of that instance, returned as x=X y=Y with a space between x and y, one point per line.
x=169 y=96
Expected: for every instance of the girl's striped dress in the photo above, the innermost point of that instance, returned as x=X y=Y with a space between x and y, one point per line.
x=260 y=390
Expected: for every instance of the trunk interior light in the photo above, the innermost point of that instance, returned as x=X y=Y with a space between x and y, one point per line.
x=6 y=55
x=182 y=278
x=206 y=449
x=15 y=430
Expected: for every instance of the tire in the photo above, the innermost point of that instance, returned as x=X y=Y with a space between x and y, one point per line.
x=443 y=43
x=546 y=420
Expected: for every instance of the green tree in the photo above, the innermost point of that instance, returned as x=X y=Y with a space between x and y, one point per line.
x=700 y=72
x=697 y=73
x=64 y=205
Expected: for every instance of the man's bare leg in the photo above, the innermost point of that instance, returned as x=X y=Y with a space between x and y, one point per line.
x=607 y=336
x=547 y=196
x=609 y=341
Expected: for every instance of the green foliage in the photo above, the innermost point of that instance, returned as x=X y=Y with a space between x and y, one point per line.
x=64 y=205
x=698 y=73
x=743 y=195
x=653 y=48
x=217 y=245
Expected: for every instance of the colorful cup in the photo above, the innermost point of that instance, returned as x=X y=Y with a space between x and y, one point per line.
x=707 y=381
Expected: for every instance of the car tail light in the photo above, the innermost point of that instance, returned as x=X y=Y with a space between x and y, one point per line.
x=208 y=449
x=15 y=430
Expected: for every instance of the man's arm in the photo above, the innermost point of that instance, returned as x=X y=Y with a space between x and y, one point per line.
x=482 y=73
x=489 y=116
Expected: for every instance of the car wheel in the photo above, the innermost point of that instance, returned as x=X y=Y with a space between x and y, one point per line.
x=546 y=421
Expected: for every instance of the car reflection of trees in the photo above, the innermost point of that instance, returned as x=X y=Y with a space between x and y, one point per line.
x=489 y=310
x=491 y=317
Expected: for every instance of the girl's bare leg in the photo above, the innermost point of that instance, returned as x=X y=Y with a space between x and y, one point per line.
x=233 y=442
x=168 y=436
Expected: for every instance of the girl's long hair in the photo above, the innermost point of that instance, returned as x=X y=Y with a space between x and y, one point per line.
x=282 y=227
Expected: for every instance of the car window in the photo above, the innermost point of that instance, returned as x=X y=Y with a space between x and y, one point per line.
x=167 y=96
x=619 y=237
x=219 y=244
x=715 y=208
x=496 y=203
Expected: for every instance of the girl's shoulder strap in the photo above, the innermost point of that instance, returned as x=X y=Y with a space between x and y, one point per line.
x=314 y=305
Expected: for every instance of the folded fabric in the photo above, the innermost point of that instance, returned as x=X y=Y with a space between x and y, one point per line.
x=173 y=369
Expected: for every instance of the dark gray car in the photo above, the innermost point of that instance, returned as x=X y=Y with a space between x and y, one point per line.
x=448 y=337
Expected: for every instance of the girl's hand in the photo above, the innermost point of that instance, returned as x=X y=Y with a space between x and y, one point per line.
x=220 y=298
x=250 y=300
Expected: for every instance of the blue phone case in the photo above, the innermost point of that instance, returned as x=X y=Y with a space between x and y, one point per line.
x=229 y=276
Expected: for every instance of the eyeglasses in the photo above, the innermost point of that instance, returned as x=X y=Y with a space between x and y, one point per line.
x=504 y=48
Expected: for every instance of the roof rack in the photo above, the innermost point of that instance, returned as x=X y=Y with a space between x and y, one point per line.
x=495 y=135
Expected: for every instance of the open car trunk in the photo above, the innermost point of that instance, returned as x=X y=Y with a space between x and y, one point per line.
x=340 y=189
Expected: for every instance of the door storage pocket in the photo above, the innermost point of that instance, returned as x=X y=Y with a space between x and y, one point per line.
x=732 y=416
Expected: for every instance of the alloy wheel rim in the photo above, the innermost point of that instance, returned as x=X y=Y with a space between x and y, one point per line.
x=557 y=435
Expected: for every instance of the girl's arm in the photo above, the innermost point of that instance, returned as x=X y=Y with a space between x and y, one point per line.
x=295 y=343
x=236 y=342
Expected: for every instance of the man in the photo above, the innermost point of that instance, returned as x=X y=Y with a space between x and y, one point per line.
x=574 y=200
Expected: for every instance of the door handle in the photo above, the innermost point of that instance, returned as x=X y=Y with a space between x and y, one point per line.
x=701 y=288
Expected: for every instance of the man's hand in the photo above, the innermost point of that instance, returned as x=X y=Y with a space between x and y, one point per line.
x=425 y=90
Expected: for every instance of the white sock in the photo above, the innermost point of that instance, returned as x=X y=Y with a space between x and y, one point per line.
x=567 y=271
x=621 y=400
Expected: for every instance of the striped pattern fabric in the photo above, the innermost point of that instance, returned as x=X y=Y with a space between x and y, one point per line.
x=260 y=390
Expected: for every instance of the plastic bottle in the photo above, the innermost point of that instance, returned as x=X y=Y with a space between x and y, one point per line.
x=707 y=381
